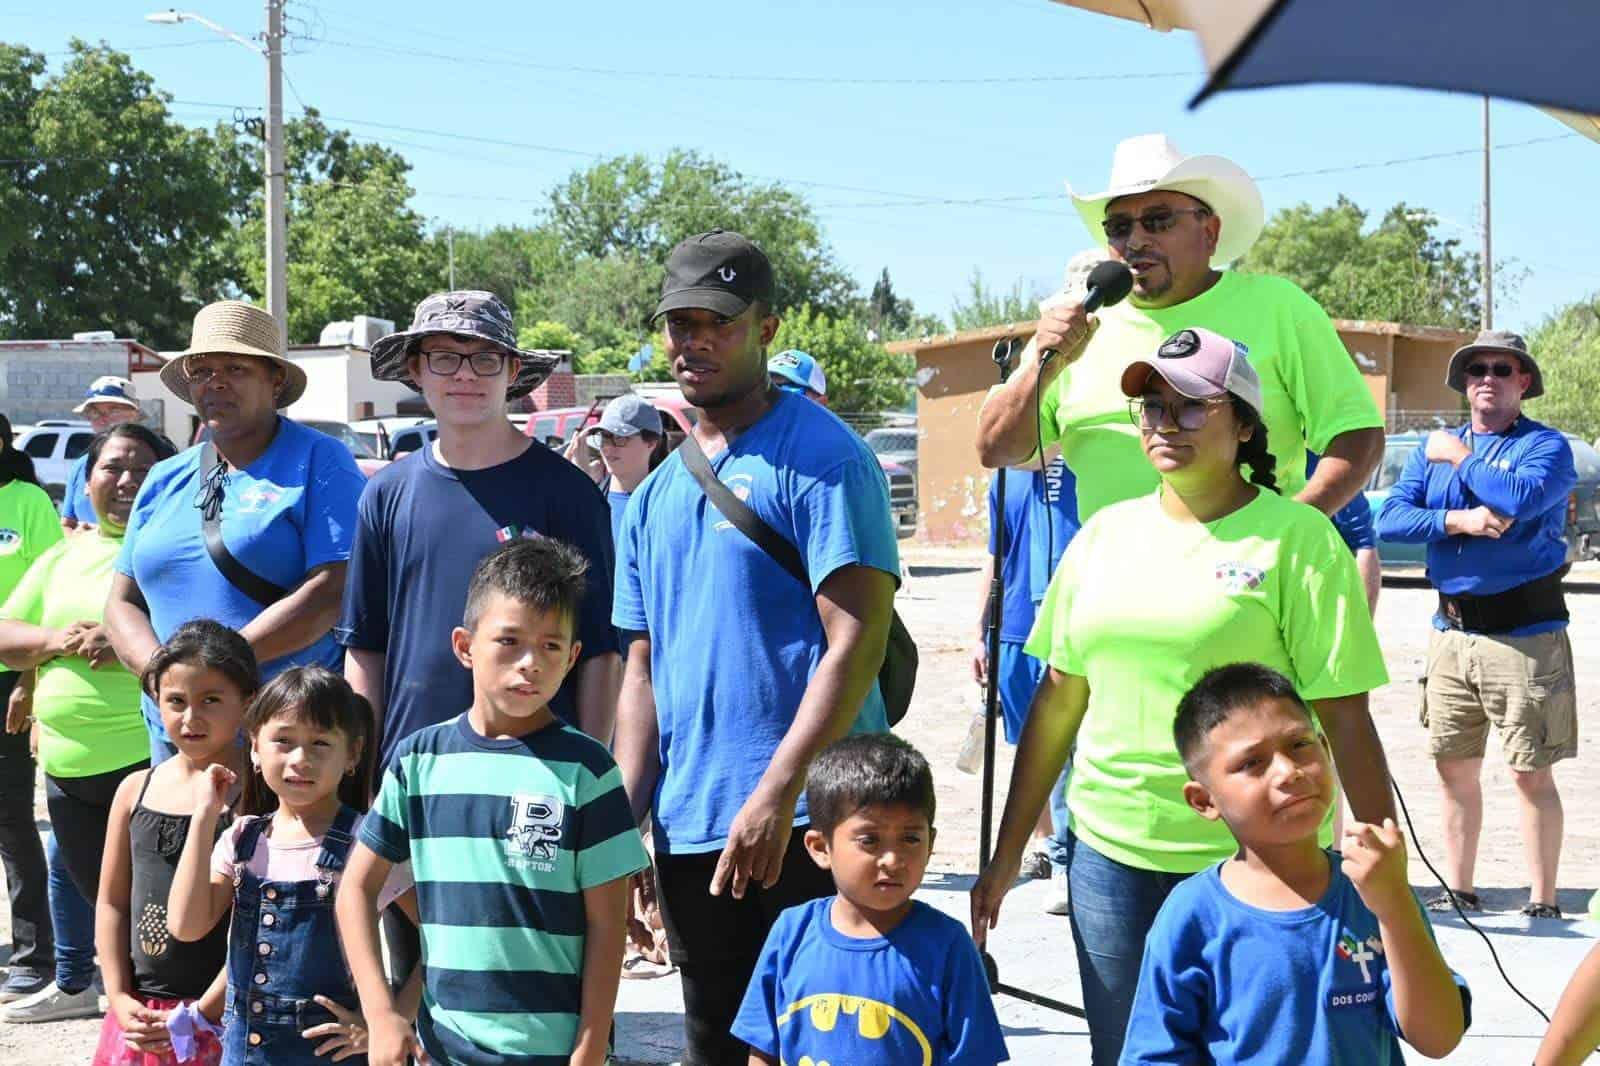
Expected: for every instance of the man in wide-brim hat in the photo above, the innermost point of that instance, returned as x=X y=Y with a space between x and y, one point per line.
x=427 y=520
x=1489 y=499
x=1176 y=221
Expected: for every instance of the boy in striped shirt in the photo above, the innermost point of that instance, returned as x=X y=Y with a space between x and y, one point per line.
x=520 y=839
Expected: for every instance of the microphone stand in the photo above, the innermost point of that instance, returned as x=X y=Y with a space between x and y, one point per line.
x=1004 y=351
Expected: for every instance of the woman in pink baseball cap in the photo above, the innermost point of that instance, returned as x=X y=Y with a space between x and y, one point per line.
x=1213 y=568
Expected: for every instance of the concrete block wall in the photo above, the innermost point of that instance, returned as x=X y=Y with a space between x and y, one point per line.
x=49 y=384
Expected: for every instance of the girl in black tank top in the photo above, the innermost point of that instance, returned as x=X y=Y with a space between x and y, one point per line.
x=201 y=681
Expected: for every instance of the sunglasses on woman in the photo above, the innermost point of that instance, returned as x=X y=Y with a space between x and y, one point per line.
x=1152 y=412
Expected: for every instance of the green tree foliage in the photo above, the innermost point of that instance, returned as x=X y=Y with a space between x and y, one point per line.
x=506 y=261
x=892 y=317
x=1400 y=270
x=1567 y=346
x=354 y=246
x=982 y=306
x=862 y=376
x=102 y=213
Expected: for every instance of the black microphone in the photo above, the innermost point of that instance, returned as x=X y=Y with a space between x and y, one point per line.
x=1108 y=283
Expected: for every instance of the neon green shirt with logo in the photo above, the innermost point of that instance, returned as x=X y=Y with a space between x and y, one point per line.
x=29 y=524
x=1311 y=390
x=1143 y=604
x=89 y=720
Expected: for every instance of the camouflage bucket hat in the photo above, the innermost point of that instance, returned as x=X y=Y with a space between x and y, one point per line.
x=470 y=313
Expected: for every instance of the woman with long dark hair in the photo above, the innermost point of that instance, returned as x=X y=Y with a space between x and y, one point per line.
x=1213 y=568
x=28 y=528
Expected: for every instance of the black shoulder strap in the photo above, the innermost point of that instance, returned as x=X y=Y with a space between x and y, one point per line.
x=213 y=475
x=739 y=513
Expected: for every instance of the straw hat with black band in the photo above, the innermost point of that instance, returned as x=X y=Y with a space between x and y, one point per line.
x=233 y=327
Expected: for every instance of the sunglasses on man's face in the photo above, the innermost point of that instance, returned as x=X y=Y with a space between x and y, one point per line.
x=1483 y=370
x=1156 y=220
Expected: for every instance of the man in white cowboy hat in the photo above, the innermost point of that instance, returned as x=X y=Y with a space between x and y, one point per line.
x=425 y=522
x=110 y=401
x=1489 y=499
x=1176 y=221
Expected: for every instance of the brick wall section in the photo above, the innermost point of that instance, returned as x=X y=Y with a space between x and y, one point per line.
x=36 y=385
x=559 y=390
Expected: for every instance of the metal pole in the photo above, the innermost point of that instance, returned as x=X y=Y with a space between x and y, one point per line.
x=450 y=243
x=1488 y=230
x=277 y=252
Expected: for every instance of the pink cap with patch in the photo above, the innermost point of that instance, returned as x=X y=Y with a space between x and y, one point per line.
x=1200 y=364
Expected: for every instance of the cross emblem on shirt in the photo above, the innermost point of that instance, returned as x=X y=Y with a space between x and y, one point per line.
x=1361 y=956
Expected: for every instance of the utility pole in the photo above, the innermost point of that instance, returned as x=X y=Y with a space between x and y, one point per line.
x=277 y=252
x=450 y=244
x=1488 y=229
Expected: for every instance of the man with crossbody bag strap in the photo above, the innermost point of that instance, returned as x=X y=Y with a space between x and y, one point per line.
x=741 y=673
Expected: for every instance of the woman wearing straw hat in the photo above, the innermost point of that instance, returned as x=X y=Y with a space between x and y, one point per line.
x=1211 y=568
x=253 y=527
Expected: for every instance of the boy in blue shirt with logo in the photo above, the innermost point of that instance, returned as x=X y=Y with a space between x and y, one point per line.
x=1286 y=952
x=870 y=975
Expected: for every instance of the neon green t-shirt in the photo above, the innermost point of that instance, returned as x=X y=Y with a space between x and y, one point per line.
x=1310 y=387
x=29 y=524
x=89 y=720
x=1143 y=604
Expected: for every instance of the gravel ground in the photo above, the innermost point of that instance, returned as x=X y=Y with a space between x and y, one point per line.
x=939 y=604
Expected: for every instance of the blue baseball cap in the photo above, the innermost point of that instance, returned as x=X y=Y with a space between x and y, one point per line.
x=109 y=389
x=629 y=415
x=794 y=369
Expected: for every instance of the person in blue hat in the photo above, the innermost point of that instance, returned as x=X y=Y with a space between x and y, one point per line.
x=109 y=402
x=797 y=371
x=631 y=443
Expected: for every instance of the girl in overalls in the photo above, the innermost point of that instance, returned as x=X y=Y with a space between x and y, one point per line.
x=290 y=997
x=201 y=680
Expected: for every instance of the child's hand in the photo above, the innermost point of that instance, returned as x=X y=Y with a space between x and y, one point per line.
x=1375 y=862
x=143 y=1028
x=391 y=1042
x=343 y=1037
x=211 y=789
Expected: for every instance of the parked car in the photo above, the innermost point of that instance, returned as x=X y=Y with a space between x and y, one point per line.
x=1583 y=503
x=677 y=418
x=896 y=444
x=896 y=449
x=369 y=460
x=54 y=445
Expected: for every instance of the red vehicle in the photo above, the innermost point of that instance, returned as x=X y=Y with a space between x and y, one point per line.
x=678 y=418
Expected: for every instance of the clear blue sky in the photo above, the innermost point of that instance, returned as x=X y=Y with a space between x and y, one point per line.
x=825 y=94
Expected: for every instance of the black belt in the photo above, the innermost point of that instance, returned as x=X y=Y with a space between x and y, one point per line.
x=1539 y=600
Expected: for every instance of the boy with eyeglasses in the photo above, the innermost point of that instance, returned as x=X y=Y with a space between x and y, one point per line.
x=425 y=521
x=1489 y=499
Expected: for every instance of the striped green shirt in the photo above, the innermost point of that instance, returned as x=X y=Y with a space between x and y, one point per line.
x=503 y=837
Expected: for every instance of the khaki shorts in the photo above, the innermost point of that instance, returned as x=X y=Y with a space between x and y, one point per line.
x=1523 y=685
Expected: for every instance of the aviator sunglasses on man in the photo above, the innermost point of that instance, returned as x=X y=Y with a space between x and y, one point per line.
x=1156 y=220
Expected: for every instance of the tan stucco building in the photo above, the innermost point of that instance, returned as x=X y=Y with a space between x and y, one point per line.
x=1403 y=365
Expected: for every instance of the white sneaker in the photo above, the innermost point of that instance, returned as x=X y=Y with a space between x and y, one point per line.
x=1058 y=902
x=50 y=1004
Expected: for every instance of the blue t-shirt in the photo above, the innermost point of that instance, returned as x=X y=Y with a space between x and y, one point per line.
x=284 y=515
x=1052 y=524
x=421 y=531
x=734 y=638
x=1016 y=575
x=917 y=996
x=1223 y=981
x=618 y=502
x=1354 y=519
x=1524 y=474
x=75 y=500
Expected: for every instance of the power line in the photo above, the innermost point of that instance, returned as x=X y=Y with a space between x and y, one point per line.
x=781 y=79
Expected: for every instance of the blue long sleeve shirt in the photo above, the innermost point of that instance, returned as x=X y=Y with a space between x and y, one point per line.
x=1524 y=474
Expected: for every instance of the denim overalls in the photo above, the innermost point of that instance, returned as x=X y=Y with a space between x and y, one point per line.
x=284 y=950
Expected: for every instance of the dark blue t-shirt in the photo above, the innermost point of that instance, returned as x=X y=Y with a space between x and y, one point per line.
x=421 y=530
x=1223 y=981
x=918 y=995
x=284 y=515
x=1524 y=474
x=734 y=638
x=1016 y=575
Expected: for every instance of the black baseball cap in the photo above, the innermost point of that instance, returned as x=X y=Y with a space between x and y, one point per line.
x=718 y=271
